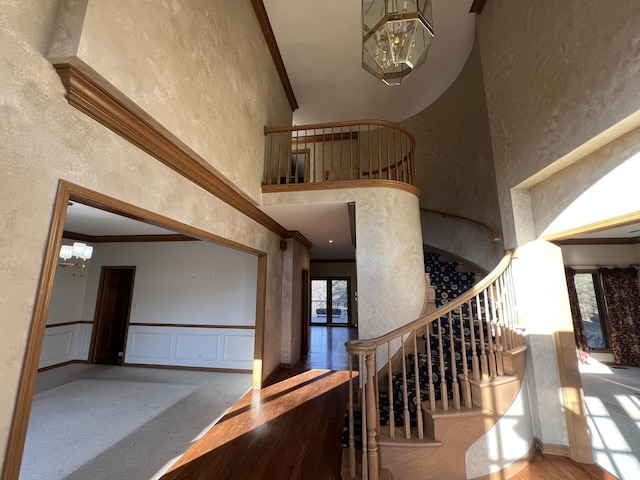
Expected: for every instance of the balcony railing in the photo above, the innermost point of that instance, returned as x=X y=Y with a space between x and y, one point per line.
x=343 y=151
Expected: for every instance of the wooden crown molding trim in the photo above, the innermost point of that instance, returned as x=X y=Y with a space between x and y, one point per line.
x=599 y=241
x=193 y=325
x=299 y=237
x=267 y=32
x=171 y=237
x=477 y=6
x=619 y=221
x=85 y=94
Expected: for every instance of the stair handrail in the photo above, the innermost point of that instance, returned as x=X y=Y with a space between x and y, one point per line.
x=358 y=346
x=493 y=334
x=494 y=234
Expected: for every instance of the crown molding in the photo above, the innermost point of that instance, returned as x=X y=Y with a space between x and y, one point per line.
x=267 y=31
x=108 y=106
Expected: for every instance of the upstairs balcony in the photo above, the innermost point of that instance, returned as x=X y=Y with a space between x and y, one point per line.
x=339 y=155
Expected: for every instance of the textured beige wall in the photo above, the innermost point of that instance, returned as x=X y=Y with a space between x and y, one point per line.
x=556 y=75
x=294 y=260
x=208 y=77
x=43 y=139
x=455 y=167
x=390 y=272
x=584 y=256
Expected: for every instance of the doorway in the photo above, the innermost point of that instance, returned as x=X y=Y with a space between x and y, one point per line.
x=113 y=308
x=330 y=301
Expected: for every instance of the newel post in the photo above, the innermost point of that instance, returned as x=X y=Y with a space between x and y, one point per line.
x=372 y=419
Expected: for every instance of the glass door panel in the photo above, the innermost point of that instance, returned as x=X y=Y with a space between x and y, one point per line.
x=319 y=302
x=340 y=302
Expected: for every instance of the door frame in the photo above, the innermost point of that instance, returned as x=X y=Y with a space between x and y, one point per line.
x=305 y=313
x=69 y=192
x=97 y=315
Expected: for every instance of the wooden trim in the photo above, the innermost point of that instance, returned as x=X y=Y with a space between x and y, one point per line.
x=300 y=238
x=105 y=104
x=172 y=237
x=63 y=364
x=575 y=411
x=619 y=221
x=81 y=237
x=270 y=380
x=64 y=324
x=31 y=360
x=494 y=234
x=352 y=222
x=342 y=184
x=259 y=336
x=326 y=137
x=267 y=31
x=513 y=469
x=553 y=449
x=180 y=367
x=66 y=192
x=193 y=325
x=477 y=6
x=598 y=241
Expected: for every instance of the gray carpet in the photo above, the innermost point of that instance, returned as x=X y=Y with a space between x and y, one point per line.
x=103 y=422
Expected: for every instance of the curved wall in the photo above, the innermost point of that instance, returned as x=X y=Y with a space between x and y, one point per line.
x=455 y=167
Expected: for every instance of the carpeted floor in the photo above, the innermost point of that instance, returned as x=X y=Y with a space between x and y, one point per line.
x=107 y=422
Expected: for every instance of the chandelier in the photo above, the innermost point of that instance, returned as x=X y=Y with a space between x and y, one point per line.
x=81 y=251
x=396 y=35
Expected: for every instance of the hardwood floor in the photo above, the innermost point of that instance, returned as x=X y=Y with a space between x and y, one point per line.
x=288 y=430
x=291 y=430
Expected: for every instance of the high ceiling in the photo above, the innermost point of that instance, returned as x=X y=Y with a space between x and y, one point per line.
x=321 y=47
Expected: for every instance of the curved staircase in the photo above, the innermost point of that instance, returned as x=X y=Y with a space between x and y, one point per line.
x=452 y=374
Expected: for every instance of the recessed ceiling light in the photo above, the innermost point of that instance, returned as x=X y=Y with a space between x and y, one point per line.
x=330 y=241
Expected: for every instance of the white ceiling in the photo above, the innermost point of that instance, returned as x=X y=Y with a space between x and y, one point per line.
x=321 y=46
x=96 y=223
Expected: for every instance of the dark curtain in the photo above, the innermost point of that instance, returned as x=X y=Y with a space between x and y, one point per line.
x=578 y=327
x=622 y=296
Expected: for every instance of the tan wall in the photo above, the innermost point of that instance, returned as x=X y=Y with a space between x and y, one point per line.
x=591 y=256
x=556 y=75
x=390 y=272
x=455 y=168
x=44 y=140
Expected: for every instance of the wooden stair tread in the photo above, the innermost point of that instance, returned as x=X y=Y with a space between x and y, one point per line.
x=399 y=440
x=453 y=413
x=501 y=380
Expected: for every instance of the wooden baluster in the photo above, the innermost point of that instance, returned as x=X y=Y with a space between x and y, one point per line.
x=454 y=365
x=443 y=382
x=316 y=163
x=490 y=332
x=386 y=129
x=360 y=156
x=466 y=386
x=372 y=443
x=432 y=394
x=405 y=394
x=475 y=367
x=369 y=136
x=332 y=167
x=416 y=370
x=484 y=365
x=307 y=160
x=392 y=418
x=295 y=167
x=278 y=175
x=513 y=320
x=493 y=291
x=350 y=153
x=376 y=396
x=352 y=436
x=363 y=410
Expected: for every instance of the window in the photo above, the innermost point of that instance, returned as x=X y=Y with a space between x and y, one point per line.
x=592 y=310
x=330 y=301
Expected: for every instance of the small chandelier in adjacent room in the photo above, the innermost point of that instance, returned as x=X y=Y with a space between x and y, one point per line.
x=81 y=251
x=396 y=35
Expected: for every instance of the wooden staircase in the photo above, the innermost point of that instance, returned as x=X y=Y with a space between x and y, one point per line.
x=453 y=374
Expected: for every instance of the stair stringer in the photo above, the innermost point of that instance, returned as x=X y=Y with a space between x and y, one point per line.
x=452 y=432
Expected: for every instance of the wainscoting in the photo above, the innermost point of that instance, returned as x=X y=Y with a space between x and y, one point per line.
x=65 y=342
x=209 y=347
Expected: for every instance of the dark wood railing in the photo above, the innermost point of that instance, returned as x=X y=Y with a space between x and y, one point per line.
x=342 y=151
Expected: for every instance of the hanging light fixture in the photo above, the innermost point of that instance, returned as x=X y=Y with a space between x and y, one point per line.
x=396 y=35
x=81 y=251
